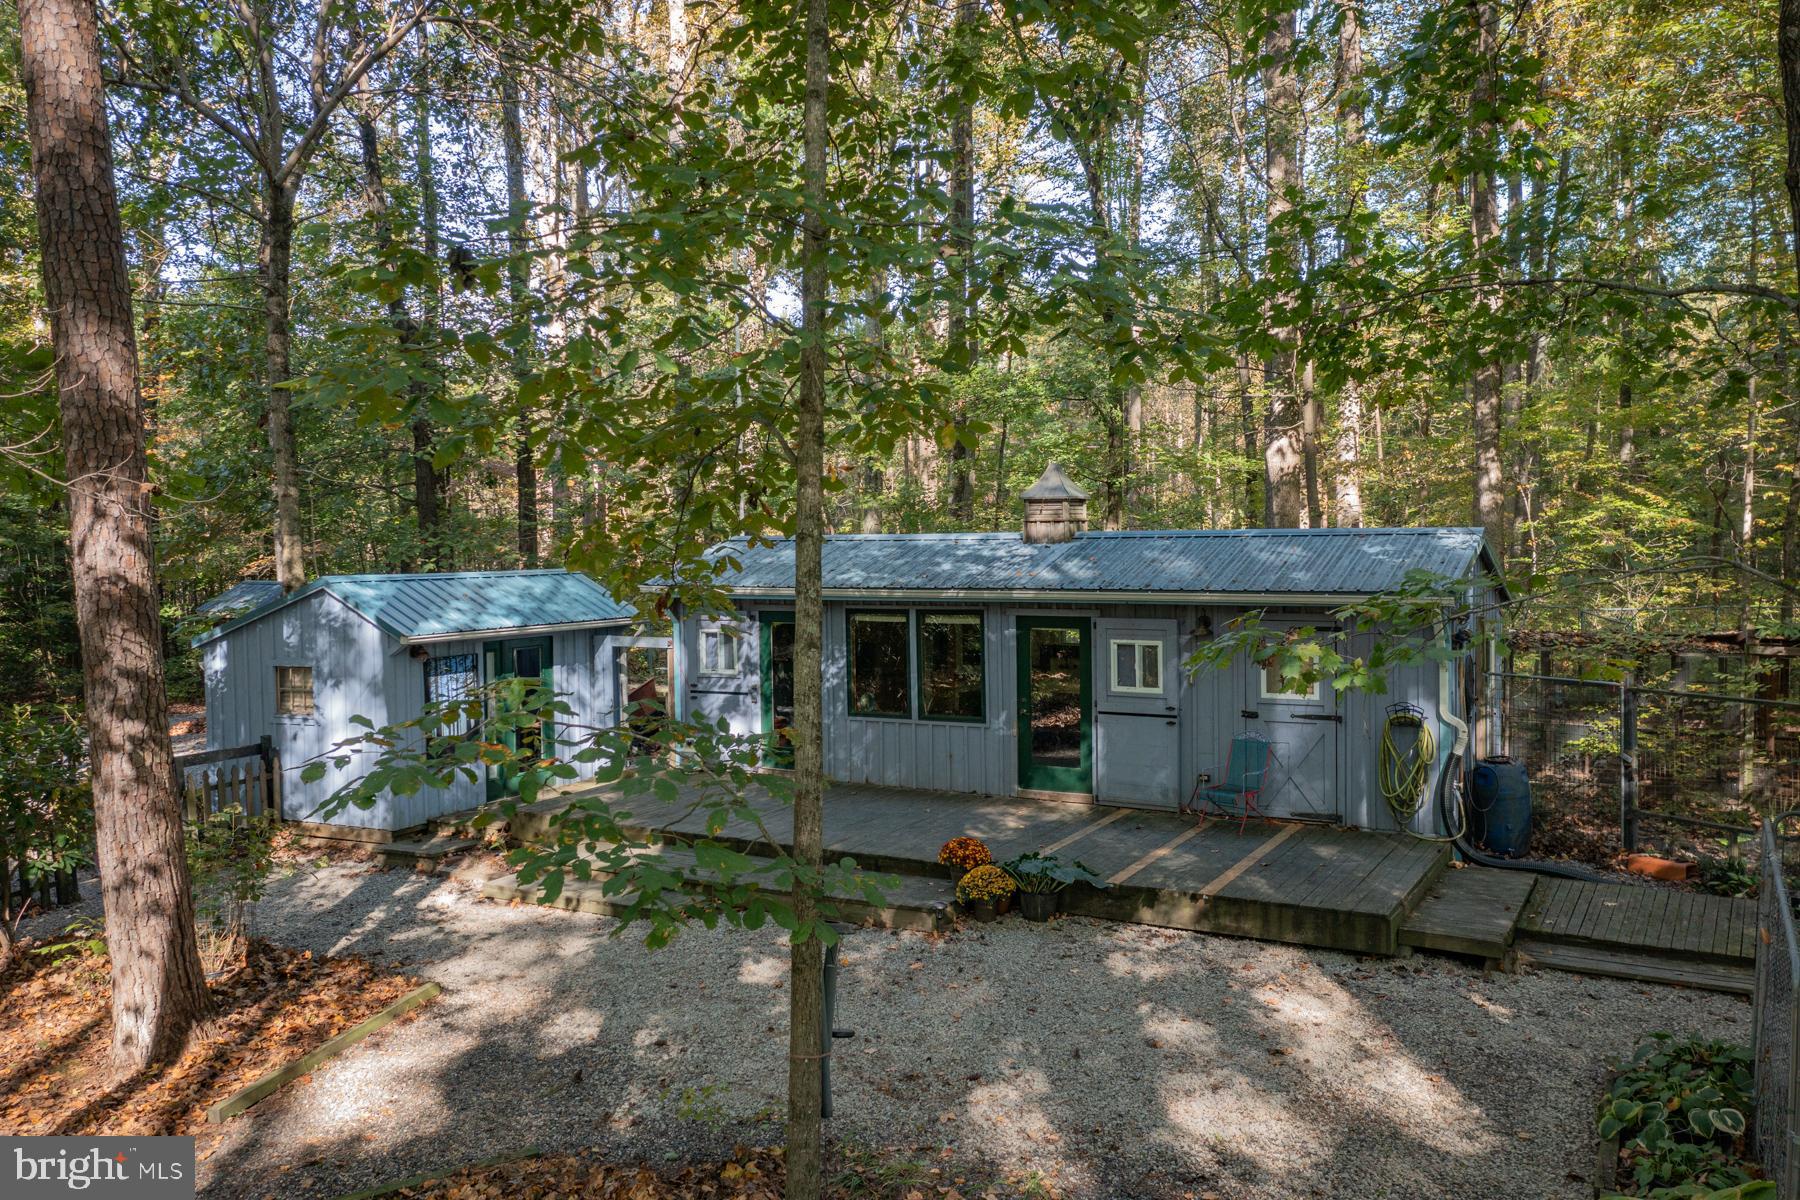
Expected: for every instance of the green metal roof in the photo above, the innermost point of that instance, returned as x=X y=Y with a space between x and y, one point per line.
x=448 y=604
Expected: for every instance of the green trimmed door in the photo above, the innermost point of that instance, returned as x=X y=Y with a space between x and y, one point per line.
x=1056 y=705
x=520 y=658
x=777 y=638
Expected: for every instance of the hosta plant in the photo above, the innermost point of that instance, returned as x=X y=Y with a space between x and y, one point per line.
x=1046 y=873
x=1678 y=1110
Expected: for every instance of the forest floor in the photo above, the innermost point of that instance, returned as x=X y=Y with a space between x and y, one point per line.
x=1078 y=1059
x=56 y=1030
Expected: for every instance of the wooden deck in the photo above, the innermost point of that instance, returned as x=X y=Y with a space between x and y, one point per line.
x=1306 y=884
x=1310 y=885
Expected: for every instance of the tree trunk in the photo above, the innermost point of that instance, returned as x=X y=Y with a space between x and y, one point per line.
x=1283 y=460
x=1484 y=229
x=275 y=263
x=1347 y=491
x=429 y=484
x=158 y=990
x=1787 y=43
x=518 y=280
x=962 y=248
x=807 y=983
x=375 y=207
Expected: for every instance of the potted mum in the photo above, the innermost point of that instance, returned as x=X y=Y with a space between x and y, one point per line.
x=1041 y=880
x=983 y=890
x=965 y=854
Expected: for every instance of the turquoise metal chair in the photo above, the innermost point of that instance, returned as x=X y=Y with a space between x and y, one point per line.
x=1236 y=798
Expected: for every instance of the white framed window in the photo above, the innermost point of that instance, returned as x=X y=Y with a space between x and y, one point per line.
x=1137 y=666
x=718 y=651
x=1276 y=687
x=294 y=692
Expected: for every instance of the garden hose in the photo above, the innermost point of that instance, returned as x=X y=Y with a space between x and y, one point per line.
x=1405 y=772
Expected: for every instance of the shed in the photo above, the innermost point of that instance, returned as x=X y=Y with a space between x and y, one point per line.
x=1048 y=662
x=298 y=667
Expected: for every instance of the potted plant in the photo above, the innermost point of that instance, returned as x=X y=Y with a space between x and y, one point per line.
x=983 y=890
x=1041 y=880
x=965 y=854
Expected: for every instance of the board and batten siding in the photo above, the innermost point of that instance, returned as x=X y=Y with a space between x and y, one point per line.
x=982 y=757
x=358 y=670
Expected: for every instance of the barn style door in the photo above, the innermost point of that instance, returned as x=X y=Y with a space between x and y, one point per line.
x=521 y=658
x=1138 y=717
x=1302 y=728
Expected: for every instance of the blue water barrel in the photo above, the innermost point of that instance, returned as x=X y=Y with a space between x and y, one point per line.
x=1500 y=807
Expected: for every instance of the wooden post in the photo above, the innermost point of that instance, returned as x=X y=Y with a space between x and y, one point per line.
x=1628 y=748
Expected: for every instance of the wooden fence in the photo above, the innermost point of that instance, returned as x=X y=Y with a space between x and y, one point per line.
x=246 y=776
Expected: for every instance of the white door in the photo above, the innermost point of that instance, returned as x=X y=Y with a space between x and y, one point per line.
x=1137 y=714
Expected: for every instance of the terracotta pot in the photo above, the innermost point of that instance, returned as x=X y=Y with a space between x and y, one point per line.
x=1661 y=868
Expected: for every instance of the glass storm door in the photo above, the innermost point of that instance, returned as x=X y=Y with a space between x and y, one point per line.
x=778 y=686
x=530 y=659
x=1056 y=705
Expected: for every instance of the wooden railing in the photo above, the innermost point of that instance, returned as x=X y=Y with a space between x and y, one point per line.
x=248 y=777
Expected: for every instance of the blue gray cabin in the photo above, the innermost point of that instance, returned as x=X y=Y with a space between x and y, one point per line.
x=298 y=667
x=1048 y=662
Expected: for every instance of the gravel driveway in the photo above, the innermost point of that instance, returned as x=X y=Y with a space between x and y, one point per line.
x=1109 y=1060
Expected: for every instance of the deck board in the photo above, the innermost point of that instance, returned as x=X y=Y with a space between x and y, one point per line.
x=1472 y=911
x=1642 y=920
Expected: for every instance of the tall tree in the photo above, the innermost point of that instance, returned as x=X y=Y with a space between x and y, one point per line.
x=1283 y=437
x=962 y=248
x=518 y=282
x=1350 y=99
x=251 y=111
x=806 y=994
x=1484 y=232
x=158 y=991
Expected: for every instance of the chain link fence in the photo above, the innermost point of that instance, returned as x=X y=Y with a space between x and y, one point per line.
x=1634 y=765
x=1775 y=1139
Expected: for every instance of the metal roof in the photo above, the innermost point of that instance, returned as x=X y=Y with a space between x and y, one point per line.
x=1054 y=484
x=418 y=608
x=1194 y=564
x=241 y=596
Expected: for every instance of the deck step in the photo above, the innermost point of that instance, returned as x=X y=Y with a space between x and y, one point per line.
x=1644 y=920
x=1649 y=968
x=455 y=824
x=909 y=902
x=1474 y=911
x=423 y=855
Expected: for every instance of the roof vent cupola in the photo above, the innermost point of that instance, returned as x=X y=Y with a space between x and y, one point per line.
x=1055 y=509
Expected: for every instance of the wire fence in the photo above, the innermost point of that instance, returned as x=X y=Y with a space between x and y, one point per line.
x=1626 y=765
x=1775 y=1138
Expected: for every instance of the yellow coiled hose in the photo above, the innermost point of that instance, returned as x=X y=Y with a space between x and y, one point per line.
x=1404 y=773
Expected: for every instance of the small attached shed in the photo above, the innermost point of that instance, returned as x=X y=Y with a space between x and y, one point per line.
x=1049 y=662
x=298 y=667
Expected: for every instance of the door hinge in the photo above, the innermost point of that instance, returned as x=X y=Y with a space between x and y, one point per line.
x=1249 y=714
x=1338 y=717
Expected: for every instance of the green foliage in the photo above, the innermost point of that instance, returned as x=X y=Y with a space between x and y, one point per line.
x=1046 y=873
x=1728 y=875
x=231 y=856
x=1679 y=1112
x=46 y=809
x=84 y=937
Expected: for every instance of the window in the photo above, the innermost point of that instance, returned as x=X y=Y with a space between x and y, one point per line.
x=1275 y=687
x=950 y=666
x=718 y=652
x=450 y=678
x=880 y=665
x=294 y=692
x=1137 y=667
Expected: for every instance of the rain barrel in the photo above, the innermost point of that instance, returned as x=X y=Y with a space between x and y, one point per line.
x=1500 y=807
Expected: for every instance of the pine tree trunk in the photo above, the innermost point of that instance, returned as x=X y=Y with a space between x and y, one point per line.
x=429 y=484
x=158 y=991
x=1283 y=460
x=518 y=280
x=1787 y=43
x=807 y=984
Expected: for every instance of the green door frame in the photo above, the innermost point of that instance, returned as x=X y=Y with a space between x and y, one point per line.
x=765 y=623
x=1033 y=777
x=497 y=662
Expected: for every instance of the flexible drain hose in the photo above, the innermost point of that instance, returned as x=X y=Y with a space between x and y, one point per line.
x=1404 y=773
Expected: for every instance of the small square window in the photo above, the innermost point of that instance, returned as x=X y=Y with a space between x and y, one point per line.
x=1137 y=667
x=718 y=652
x=1276 y=687
x=294 y=692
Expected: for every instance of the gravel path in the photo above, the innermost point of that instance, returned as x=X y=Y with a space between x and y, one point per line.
x=1110 y=1060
